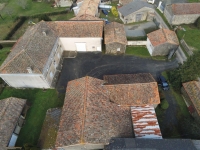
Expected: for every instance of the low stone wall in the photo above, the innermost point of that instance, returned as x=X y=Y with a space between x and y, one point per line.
x=139 y=43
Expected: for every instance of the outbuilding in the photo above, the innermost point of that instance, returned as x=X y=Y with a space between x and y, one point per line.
x=115 y=38
x=161 y=42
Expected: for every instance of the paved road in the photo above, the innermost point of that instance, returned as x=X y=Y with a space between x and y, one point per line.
x=97 y=65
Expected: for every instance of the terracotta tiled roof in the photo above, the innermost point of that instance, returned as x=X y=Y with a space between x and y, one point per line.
x=31 y=50
x=138 y=94
x=78 y=28
x=193 y=90
x=91 y=111
x=132 y=89
x=114 y=32
x=89 y=7
x=85 y=17
x=10 y=110
x=162 y=36
x=145 y=122
x=185 y=8
x=89 y=117
x=128 y=78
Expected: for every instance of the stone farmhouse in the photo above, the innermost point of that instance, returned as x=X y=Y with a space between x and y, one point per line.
x=191 y=94
x=136 y=11
x=11 y=121
x=115 y=38
x=35 y=60
x=182 y=13
x=161 y=42
x=96 y=110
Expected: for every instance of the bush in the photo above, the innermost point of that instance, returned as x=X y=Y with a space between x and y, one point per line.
x=44 y=17
x=114 y=11
x=198 y=23
x=164 y=104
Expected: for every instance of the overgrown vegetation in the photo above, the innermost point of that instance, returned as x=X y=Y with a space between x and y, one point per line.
x=191 y=35
x=197 y=23
x=10 y=13
x=4 y=53
x=190 y=70
x=40 y=102
x=164 y=104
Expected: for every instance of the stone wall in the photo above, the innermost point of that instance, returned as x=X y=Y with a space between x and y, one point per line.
x=163 y=49
x=140 y=43
x=113 y=47
x=184 y=19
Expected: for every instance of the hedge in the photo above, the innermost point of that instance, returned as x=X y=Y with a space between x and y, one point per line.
x=21 y=19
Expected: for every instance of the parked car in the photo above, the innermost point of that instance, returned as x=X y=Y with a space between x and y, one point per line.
x=163 y=82
x=151 y=1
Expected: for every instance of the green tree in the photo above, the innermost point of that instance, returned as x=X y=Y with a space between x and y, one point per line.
x=189 y=71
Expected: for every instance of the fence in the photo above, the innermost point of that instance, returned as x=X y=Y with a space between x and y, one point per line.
x=186 y=47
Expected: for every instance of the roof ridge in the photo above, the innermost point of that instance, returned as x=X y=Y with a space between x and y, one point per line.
x=84 y=109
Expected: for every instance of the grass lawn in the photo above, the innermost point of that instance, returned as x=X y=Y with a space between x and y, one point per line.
x=63 y=17
x=40 y=102
x=191 y=35
x=4 y=53
x=33 y=8
x=140 y=51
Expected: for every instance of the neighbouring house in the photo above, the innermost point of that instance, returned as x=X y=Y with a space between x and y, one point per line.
x=11 y=121
x=151 y=144
x=136 y=11
x=191 y=95
x=96 y=110
x=161 y=42
x=88 y=8
x=115 y=38
x=36 y=59
x=63 y=3
x=182 y=13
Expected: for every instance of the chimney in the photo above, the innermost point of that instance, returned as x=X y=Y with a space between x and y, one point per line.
x=44 y=33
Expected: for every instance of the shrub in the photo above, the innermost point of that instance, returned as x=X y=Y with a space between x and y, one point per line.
x=44 y=17
x=164 y=104
x=198 y=23
x=114 y=11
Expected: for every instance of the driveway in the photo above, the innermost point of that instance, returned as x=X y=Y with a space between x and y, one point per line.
x=97 y=65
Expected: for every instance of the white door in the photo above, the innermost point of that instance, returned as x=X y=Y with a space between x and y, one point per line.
x=81 y=47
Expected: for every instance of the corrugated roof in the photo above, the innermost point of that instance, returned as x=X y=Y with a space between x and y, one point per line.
x=193 y=90
x=10 y=110
x=162 y=36
x=89 y=117
x=133 y=7
x=114 y=32
x=185 y=8
x=145 y=122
